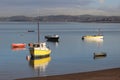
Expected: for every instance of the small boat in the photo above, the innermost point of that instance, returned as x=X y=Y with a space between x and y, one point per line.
x=31 y=31
x=99 y=54
x=93 y=37
x=92 y=40
x=39 y=48
x=54 y=38
x=18 y=45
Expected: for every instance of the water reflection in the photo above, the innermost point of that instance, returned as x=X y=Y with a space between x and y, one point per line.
x=17 y=49
x=92 y=40
x=39 y=64
x=55 y=43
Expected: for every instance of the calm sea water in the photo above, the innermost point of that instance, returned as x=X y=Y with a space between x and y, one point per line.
x=70 y=55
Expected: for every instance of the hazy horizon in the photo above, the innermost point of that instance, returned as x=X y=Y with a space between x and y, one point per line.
x=59 y=7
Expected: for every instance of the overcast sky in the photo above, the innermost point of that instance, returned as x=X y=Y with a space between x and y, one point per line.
x=59 y=7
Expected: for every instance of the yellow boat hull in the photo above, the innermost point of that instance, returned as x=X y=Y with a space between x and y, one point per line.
x=39 y=52
x=93 y=37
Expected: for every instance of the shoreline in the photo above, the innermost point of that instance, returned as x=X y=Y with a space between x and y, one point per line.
x=108 y=74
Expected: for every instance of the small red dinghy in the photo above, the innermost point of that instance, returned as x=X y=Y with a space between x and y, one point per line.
x=18 y=45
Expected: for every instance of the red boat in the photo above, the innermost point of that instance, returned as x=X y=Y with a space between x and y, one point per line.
x=18 y=45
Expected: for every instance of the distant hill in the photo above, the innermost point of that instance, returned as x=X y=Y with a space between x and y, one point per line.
x=65 y=18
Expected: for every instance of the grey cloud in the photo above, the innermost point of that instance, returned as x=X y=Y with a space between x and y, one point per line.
x=45 y=3
x=74 y=7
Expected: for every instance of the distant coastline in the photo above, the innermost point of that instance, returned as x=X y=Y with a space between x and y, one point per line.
x=63 y=18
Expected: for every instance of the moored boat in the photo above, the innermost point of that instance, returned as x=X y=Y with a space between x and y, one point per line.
x=54 y=38
x=31 y=31
x=18 y=45
x=93 y=40
x=100 y=54
x=93 y=37
x=39 y=48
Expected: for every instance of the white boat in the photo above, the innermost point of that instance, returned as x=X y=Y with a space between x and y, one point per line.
x=93 y=37
x=39 y=48
x=95 y=40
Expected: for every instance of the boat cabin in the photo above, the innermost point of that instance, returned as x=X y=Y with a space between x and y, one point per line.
x=35 y=45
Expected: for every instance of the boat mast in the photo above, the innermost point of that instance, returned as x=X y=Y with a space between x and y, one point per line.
x=38 y=28
x=38 y=32
x=99 y=33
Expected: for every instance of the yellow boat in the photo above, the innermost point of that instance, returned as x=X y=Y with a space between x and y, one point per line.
x=93 y=40
x=39 y=48
x=93 y=37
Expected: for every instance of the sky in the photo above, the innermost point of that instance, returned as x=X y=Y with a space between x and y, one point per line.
x=59 y=7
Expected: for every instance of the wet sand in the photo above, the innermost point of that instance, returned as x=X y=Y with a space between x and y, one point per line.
x=109 y=74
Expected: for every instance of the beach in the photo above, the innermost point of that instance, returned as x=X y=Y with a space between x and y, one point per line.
x=108 y=74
